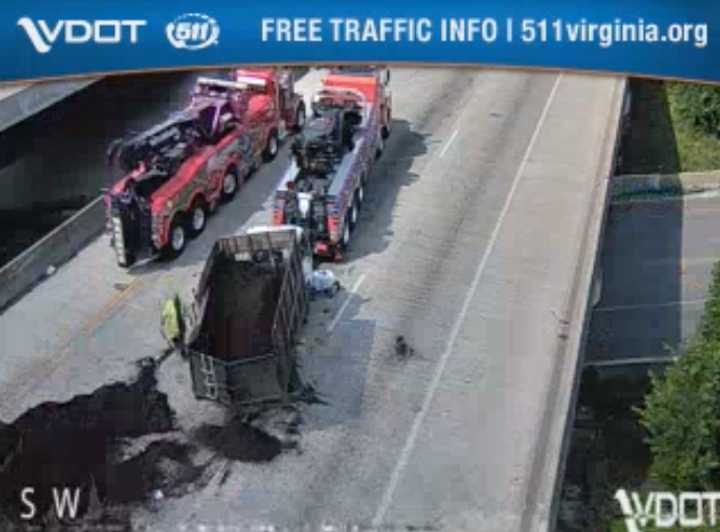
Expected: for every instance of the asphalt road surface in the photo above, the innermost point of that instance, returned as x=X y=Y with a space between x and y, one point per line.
x=656 y=263
x=468 y=246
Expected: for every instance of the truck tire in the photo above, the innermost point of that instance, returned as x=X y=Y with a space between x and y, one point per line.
x=354 y=213
x=345 y=239
x=386 y=128
x=380 y=147
x=197 y=218
x=176 y=239
x=300 y=118
x=361 y=191
x=129 y=260
x=272 y=147
x=229 y=185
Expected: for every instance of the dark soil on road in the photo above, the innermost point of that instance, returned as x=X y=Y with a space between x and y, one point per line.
x=120 y=447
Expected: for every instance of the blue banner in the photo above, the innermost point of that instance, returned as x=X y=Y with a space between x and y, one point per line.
x=658 y=38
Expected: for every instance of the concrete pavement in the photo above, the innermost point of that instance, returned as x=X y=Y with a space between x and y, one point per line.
x=468 y=246
x=656 y=266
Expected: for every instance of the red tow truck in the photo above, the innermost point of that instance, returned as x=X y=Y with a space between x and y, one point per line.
x=177 y=172
x=324 y=186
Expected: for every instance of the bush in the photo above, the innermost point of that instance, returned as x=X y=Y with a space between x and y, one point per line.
x=698 y=105
x=682 y=410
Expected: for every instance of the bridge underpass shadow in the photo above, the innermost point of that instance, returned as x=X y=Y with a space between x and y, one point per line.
x=335 y=365
x=638 y=316
x=390 y=174
x=54 y=162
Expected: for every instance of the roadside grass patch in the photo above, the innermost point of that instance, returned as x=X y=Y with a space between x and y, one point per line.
x=671 y=128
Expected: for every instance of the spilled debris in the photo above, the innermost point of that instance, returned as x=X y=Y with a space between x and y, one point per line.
x=71 y=446
x=240 y=441
x=402 y=348
x=118 y=448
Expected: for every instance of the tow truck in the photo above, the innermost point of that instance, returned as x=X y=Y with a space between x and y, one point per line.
x=324 y=186
x=274 y=103
x=382 y=76
x=178 y=172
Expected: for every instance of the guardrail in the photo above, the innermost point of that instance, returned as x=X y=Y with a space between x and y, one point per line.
x=61 y=244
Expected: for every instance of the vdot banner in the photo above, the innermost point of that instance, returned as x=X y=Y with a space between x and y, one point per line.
x=660 y=38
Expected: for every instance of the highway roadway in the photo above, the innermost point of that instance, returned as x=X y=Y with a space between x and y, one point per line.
x=469 y=246
x=656 y=269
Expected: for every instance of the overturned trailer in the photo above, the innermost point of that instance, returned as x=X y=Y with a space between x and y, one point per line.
x=250 y=303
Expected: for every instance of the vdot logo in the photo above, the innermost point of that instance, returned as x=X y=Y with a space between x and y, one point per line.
x=667 y=510
x=193 y=31
x=43 y=35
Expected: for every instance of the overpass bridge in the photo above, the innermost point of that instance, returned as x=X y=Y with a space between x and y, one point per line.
x=21 y=101
x=477 y=243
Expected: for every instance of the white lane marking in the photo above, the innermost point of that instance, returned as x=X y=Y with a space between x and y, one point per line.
x=640 y=306
x=339 y=314
x=440 y=368
x=450 y=141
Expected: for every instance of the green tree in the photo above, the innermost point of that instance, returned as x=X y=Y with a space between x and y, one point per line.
x=698 y=105
x=682 y=409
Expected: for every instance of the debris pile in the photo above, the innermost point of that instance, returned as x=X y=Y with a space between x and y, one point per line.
x=238 y=440
x=78 y=445
x=238 y=326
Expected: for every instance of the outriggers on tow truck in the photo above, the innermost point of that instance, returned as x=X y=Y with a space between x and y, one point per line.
x=324 y=186
x=177 y=172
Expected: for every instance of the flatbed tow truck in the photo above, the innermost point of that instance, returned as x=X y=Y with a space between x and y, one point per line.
x=177 y=172
x=324 y=186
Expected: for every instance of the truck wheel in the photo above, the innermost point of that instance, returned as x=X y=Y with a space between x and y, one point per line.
x=272 y=147
x=229 y=185
x=300 y=117
x=380 y=147
x=176 y=239
x=386 y=128
x=198 y=218
x=361 y=192
x=129 y=260
x=345 y=242
x=354 y=214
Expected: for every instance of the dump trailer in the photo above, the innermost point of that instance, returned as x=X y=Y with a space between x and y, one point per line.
x=250 y=303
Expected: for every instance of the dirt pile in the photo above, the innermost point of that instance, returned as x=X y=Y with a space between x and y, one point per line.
x=119 y=447
x=238 y=440
x=243 y=299
x=75 y=445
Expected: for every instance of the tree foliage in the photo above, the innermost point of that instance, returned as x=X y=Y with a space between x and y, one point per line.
x=682 y=409
x=699 y=105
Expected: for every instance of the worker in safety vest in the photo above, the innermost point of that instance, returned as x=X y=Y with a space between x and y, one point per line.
x=173 y=325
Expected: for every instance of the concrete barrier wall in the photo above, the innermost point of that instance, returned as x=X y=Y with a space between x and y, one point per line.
x=582 y=302
x=31 y=266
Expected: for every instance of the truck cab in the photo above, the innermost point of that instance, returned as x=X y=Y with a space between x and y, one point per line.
x=382 y=77
x=274 y=102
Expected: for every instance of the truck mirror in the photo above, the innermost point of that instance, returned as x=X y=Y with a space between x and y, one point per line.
x=387 y=77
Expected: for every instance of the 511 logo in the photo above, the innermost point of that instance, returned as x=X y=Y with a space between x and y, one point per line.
x=193 y=31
